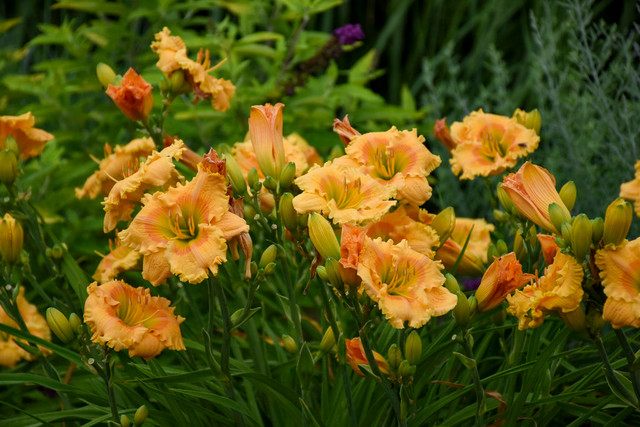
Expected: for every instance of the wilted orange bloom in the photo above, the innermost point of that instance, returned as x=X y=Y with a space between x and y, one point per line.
x=30 y=140
x=342 y=194
x=398 y=159
x=356 y=356
x=631 y=190
x=344 y=130
x=442 y=132
x=398 y=226
x=185 y=230
x=559 y=290
x=117 y=163
x=532 y=189
x=172 y=54
x=406 y=284
x=133 y=97
x=549 y=247
x=488 y=144
x=351 y=244
x=121 y=316
x=10 y=352
x=620 y=274
x=475 y=254
x=157 y=173
x=502 y=278
x=265 y=128
x=120 y=259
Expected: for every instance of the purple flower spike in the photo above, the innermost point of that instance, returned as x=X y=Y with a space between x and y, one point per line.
x=349 y=34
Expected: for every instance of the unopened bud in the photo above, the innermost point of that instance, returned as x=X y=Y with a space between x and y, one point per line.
x=270 y=184
x=236 y=178
x=141 y=415
x=75 y=322
x=566 y=232
x=394 y=356
x=444 y=223
x=561 y=242
x=518 y=245
x=8 y=167
x=253 y=178
x=322 y=273
x=581 y=236
x=405 y=370
x=504 y=200
x=558 y=216
x=492 y=252
x=303 y=220
x=461 y=311
x=11 y=239
x=500 y=216
x=413 y=348
x=289 y=344
x=178 y=83
x=287 y=212
x=328 y=340
x=254 y=268
x=287 y=175
x=164 y=85
x=597 y=228
x=568 y=194
x=236 y=316
x=323 y=237
x=502 y=248
x=575 y=319
x=59 y=325
x=595 y=322
x=530 y=120
x=105 y=74
x=473 y=304
x=333 y=272
x=124 y=421
x=451 y=283
x=617 y=221
x=269 y=269
x=269 y=255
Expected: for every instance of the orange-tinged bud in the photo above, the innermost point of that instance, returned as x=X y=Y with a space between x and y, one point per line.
x=549 y=247
x=581 y=236
x=444 y=223
x=345 y=131
x=530 y=120
x=133 y=96
x=59 y=325
x=8 y=167
x=442 y=132
x=265 y=128
x=323 y=237
x=568 y=194
x=356 y=356
x=413 y=348
x=11 y=239
x=502 y=278
x=105 y=74
x=617 y=221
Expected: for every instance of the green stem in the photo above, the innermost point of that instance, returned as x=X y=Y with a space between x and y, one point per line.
x=608 y=371
x=291 y=291
x=476 y=379
x=631 y=357
x=108 y=381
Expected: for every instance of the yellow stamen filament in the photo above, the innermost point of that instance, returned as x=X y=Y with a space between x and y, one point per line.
x=400 y=283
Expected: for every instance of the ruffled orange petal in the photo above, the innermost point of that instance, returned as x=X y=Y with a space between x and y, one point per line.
x=156 y=268
x=31 y=141
x=193 y=260
x=168 y=48
x=121 y=258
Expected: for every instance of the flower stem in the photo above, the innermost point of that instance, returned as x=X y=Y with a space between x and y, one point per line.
x=476 y=379
x=108 y=381
x=631 y=357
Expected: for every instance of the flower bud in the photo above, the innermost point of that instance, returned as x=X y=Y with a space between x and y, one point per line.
x=444 y=223
x=566 y=232
x=492 y=252
x=568 y=194
x=105 y=74
x=322 y=273
x=12 y=145
x=236 y=316
x=504 y=199
x=473 y=304
x=461 y=311
x=530 y=120
x=581 y=236
x=451 y=283
x=268 y=256
x=405 y=369
x=558 y=216
x=124 y=421
x=254 y=268
x=141 y=415
x=597 y=228
x=413 y=348
x=75 y=322
x=617 y=221
x=253 y=178
x=394 y=356
x=8 y=167
x=178 y=83
x=518 y=245
x=11 y=239
x=59 y=325
x=287 y=175
x=500 y=216
x=323 y=237
x=561 y=242
x=333 y=272
x=289 y=344
x=303 y=220
x=595 y=322
x=287 y=212
x=502 y=248
x=270 y=184
x=575 y=319
x=269 y=269
x=328 y=340
x=235 y=175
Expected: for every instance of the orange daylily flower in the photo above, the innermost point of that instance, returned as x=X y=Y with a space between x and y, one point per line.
x=10 y=352
x=168 y=48
x=394 y=158
x=442 y=132
x=356 y=356
x=345 y=131
x=30 y=140
x=406 y=284
x=343 y=194
x=185 y=230
x=475 y=254
x=532 y=189
x=502 y=278
x=265 y=128
x=549 y=247
x=117 y=163
x=121 y=316
x=631 y=190
x=120 y=259
x=559 y=290
x=488 y=144
x=158 y=172
x=620 y=274
x=133 y=97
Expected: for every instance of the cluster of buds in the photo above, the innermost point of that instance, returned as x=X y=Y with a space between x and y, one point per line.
x=64 y=328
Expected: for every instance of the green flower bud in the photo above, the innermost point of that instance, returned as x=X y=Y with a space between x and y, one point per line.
x=323 y=237
x=581 y=236
x=287 y=175
x=568 y=194
x=75 y=322
x=504 y=200
x=8 y=167
x=328 y=341
x=141 y=415
x=394 y=356
x=269 y=269
x=253 y=178
x=303 y=220
x=500 y=216
x=405 y=370
x=597 y=229
x=413 y=348
x=561 y=242
x=289 y=344
x=270 y=184
x=11 y=239
x=444 y=223
x=178 y=83
x=59 y=325
x=473 y=304
x=322 y=273
x=451 y=283
x=502 y=248
x=105 y=74
x=165 y=85
x=124 y=421
x=595 y=322
x=287 y=212
x=268 y=256
x=235 y=175
x=333 y=272
x=236 y=316
x=617 y=221
x=518 y=245
x=492 y=252
x=461 y=311
x=557 y=216
x=254 y=268
x=530 y=120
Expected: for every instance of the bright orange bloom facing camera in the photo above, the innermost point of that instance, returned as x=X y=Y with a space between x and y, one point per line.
x=185 y=230
x=394 y=158
x=532 y=189
x=343 y=194
x=620 y=273
x=502 y=278
x=123 y=317
x=356 y=356
x=30 y=140
x=488 y=144
x=133 y=97
x=559 y=290
x=406 y=284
